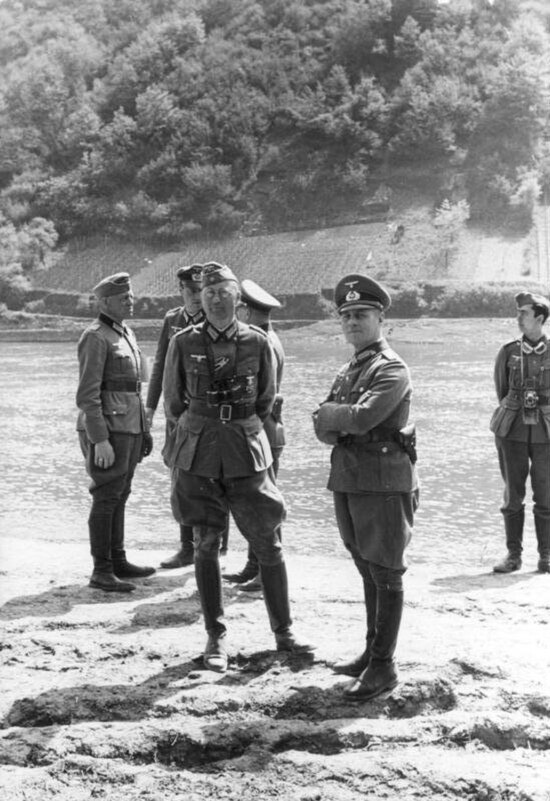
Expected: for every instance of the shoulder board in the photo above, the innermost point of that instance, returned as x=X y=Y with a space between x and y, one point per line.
x=173 y=312
x=511 y=343
x=258 y=330
x=185 y=330
x=390 y=355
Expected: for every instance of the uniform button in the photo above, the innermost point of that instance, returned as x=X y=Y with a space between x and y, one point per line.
x=384 y=449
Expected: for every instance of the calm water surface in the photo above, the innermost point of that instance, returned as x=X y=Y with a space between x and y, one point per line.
x=43 y=492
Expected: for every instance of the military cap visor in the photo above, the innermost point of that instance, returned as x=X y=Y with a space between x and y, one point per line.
x=360 y=292
x=215 y=273
x=190 y=273
x=117 y=284
x=530 y=299
x=253 y=295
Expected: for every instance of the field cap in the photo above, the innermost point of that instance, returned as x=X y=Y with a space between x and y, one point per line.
x=190 y=273
x=214 y=273
x=117 y=284
x=360 y=292
x=530 y=299
x=253 y=295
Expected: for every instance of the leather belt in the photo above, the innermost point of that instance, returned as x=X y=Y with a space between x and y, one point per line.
x=224 y=412
x=121 y=385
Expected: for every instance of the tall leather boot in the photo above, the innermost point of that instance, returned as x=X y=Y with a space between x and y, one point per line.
x=275 y=587
x=103 y=577
x=354 y=667
x=209 y=585
x=248 y=573
x=122 y=568
x=185 y=555
x=381 y=674
x=542 y=528
x=513 y=527
x=225 y=538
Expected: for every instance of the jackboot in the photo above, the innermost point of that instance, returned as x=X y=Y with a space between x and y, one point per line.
x=122 y=568
x=275 y=587
x=513 y=527
x=103 y=578
x=209 y=586
x=250 y=570
x=185 y=555
x=354 y=667
x=225 y=539
x=542 y=528
x=380 y=676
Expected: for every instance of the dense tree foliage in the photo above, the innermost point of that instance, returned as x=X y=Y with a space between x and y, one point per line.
x=180 y=116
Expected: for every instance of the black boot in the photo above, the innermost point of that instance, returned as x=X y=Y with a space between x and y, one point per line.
x=275 y=587
x=103 y=577
x=542 y=528
x=122 y=568
x=513 y=527
x=249 y=572
x=225 y=539
x=381 y=674
x=354 y=667
x=209 y=585
x=185 y=555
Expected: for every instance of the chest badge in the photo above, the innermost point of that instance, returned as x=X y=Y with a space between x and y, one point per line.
x=199 y=357
x=220 y=362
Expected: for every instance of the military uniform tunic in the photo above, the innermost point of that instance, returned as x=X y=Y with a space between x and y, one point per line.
x=221 y=453
x=174 y=321
x=522 y=448
x=372 y=477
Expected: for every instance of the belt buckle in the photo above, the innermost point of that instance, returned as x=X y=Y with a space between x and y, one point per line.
x=226 y=411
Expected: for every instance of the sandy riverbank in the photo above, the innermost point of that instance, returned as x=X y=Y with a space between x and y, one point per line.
x=103 y=696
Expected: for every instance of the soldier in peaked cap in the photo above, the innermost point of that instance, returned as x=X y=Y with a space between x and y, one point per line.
x=189 y=313
x=219 y=387
x=521 y=425
x=255 y=309
x=372 y=474
x=113 y=431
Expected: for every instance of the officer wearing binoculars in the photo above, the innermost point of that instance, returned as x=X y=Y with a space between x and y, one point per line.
x=521 y=425
x=219 y=388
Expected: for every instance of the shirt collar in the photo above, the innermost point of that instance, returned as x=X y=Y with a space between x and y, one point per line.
x=369 y=351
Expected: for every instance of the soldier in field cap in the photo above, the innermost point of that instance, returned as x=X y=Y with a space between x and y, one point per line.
x=113 y=430
x=219 y=388
x=255 y=309
x=189 y=278
x=521 y=425
x=372 y=475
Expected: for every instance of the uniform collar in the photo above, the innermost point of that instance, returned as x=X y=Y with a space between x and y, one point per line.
x=193 y=319
x=369 y=351
x=120 y=328
x=228 y=334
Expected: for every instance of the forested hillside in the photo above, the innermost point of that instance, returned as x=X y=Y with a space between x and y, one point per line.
x=172 y=119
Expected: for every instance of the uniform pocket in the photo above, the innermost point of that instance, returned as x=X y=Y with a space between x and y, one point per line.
x=503 y=418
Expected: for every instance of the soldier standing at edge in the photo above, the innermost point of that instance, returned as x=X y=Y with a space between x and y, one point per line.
x=372 y=475
x=113 y=430
x=521 y=425
x=219 y=387
x=190 y=313
x=255 y=309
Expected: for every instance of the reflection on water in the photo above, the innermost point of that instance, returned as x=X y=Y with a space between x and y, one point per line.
x=44 y=489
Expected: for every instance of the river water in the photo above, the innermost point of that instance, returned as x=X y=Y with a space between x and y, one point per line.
x=43 y=492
